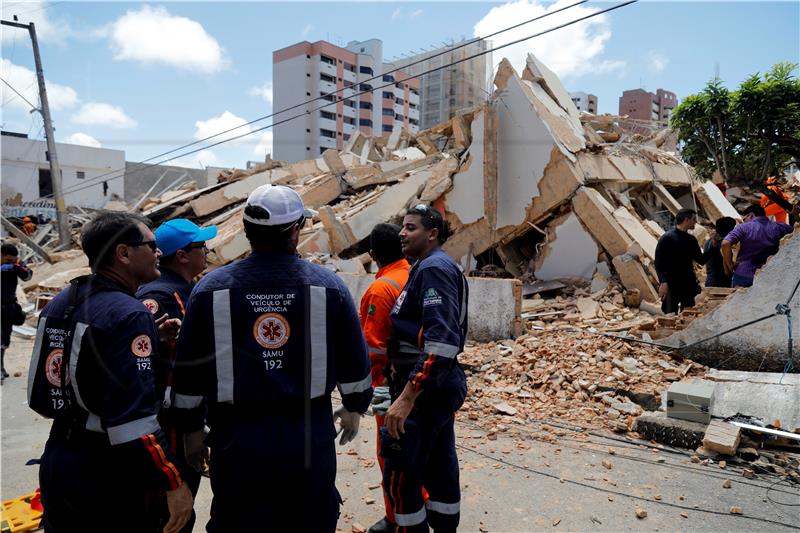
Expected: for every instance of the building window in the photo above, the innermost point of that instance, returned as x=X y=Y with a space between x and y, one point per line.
x=388 y=128
x=351 y=103
x=365 y=105
x=365 y=87
x=365 y=122
x=346 y=136
x=365 y=70
x=327 y=133
x=387 y=112
x=387 y=94
x=397 y=116
x=388 y=77
x=412 y=106
x=328 y=60
x=398 y=101
x=327 y=97
x=413 y=122
x=327 y=77
x=349 y=120
x=349 y=67
x=328 y=115
x=80 y=174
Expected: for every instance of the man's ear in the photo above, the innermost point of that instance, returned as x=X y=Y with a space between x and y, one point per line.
x=121 y=253
x=182 y=256
x=434 y=234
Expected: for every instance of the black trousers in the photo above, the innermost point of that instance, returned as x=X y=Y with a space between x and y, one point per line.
x=83 y=489
x=679 y=294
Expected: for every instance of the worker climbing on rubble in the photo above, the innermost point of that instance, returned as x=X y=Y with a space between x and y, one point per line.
x=28 y=226
x=376 y=304
x=429 y=326
x=264 y=342
x=106 y=460
x=775 y=202
x=676 y=252
x=758 y=238
x=183 y=248
x=11 y=313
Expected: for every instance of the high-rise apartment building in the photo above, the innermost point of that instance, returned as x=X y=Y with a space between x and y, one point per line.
x=584 y=101
x=644 y=105
x=312 y=70
x=457 y=87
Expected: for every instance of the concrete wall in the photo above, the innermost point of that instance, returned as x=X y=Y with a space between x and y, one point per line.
x=745 y=348
x=139 y=177
x=494 y=305
x=22 y=159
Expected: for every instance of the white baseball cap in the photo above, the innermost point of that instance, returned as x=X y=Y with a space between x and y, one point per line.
x=282 y=203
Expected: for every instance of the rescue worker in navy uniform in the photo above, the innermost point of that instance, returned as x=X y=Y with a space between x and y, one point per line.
x=183 y=257
x=11 y=312
x=429 y=327
x=106 y=460
x=264 y=342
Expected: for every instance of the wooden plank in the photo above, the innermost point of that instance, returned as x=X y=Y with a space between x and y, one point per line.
x=27 y=240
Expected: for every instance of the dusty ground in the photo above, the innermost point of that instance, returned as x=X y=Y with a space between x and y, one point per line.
x=515 y=482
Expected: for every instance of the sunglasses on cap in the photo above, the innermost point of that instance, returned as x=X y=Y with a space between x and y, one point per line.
x=151 y=244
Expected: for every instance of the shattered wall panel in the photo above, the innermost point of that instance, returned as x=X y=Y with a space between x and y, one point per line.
x=571 y=252
x=466 y=199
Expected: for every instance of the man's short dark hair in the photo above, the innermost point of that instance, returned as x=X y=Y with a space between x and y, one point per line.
x=261 y=236
x=105 y=231
x=683 y=215
x=9 y=249
x=756 y=210
x=384 y=240
x=431 y=218
x=724 y=225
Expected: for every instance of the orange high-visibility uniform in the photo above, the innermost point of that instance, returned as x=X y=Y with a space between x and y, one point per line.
x=376 y=304
x=772 y=209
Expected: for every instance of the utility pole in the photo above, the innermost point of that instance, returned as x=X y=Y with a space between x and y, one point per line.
x=55 y=171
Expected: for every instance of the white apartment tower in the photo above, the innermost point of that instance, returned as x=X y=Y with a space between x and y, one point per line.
x=457 y=87
x=306 y=70
x=584 y=101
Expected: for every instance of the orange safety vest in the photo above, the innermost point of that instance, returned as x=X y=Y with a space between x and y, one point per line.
x=772 y=209
x=376 y=305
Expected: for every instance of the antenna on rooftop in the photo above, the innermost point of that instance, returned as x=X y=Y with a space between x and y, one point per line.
x=716 y=71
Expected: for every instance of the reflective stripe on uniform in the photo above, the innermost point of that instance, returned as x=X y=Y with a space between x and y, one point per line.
x=412 y=519
x=391 y=282
x=318 y=330
x=223 y=345
x=441 y=349
x=37 y=348
x=356 y=386
x=93 y=423
x=443 y=508
x=77 y=338
x=132 y=430
x=168 y=397
x=185 y=401
x=380 y=351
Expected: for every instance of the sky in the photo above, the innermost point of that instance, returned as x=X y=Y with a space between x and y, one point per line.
x=147 y=78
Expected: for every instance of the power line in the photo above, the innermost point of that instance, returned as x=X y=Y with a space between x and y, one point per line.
x=33 y=107
x=273 y=124
x=327 y=95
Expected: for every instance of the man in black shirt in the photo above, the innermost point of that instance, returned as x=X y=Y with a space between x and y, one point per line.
x=675 y=253
x=13 y=269
x=715 y=268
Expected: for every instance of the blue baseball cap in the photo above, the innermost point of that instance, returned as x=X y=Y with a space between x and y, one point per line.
x=175 y=234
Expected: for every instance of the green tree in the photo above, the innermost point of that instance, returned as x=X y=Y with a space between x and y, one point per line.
x=747 y=134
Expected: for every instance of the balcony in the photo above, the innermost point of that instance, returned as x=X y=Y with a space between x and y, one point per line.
x=327 y=124
x=327 y=68
x=326 y=87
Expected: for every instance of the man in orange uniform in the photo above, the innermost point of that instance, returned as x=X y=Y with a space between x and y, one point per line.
x=376 y=304
x=775 y=202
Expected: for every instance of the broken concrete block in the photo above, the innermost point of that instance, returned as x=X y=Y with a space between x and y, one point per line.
x=536 y=71
x=633 y=276
x=634 y=228
x=570 y=252
x=321 y=190
x=229 y=194
x=440 y=181
x=339 y=235
x=596 y=214
x=466 y=198
x=409 y=154
x=666 y=198
x=334 y=162
x=722 y=437
x=714 y=202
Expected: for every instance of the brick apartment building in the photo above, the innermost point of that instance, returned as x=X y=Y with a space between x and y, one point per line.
x=644 y=105
x=307 y=70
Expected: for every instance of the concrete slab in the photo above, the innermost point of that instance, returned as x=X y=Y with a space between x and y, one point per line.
x=466 y=199
x=760 y=346
x=767 y=401
x=570 y=253
x=495 y=305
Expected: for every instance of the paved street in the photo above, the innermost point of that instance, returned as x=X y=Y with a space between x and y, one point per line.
x=513 y=483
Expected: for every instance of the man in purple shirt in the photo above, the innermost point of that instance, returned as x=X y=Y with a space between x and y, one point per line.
x=758 y=239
